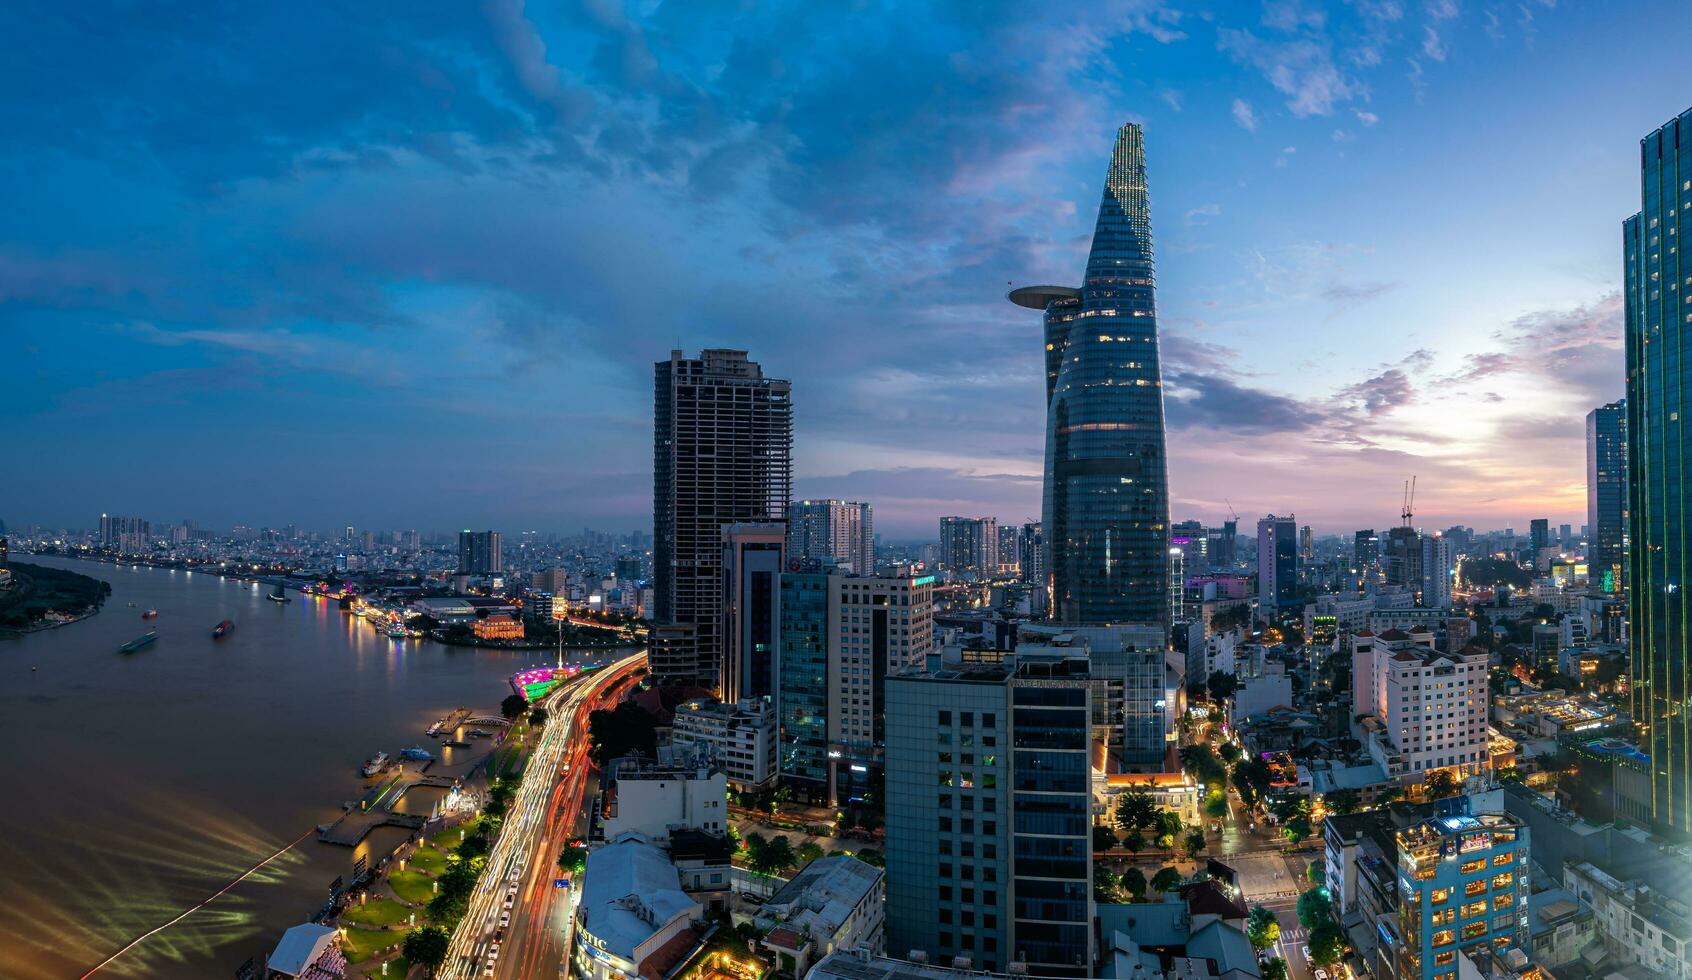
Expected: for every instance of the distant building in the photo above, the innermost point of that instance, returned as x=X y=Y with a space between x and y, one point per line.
x=839 y=531
x=1031 y=556
x=553 y=581
x=969 y=546
x=722 y=455
x=740 y=738
x=1436 y=572
x=634 y=919
x=1277 y=565
x=628 y=568
x=983 y=763
x=497 y=627
x=1404 y=558
x=1430 y=707
x=753 y=558
x=1606 y=492
x=479 y=553
x=1539 y=537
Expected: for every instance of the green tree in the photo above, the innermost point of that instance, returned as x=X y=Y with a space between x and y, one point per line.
x=1327 y=944
x=537 y=717
x=767 y=856
x=1315 y=908
x=620 y=731
x=809 y=851
x=1134 y=882
x=1103 y=837
x=426 y=947
x=1222 y=685
x=1274 y=968
x=1298 y=828
x=1251 y=778
x=1133 y=842
x=1168 y=824
x=513 y=706
x=1105 y=885
x=1230 y=752
x=1216 y=805
x=1135 y=809
x=1193 y=842
x=872 y=857
x=1342 y=801
x=573 y=860
x=1262 y=928
x=1439 y=784
x=1167 y=879
x=1315 y=873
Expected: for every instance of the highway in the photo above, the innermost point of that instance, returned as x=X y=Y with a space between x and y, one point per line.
x=522 y=864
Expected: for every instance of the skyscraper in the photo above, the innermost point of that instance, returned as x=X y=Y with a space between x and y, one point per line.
x=840 y=530
x=1404 y=557
x=1436 y=571
x=1606 y=492
x=1659 y=498
x=754 y=556
x=1539 y=538
x=479 y=553
x=1106 y=504
x=722 y=454
x=1277 y=564
x=969 y=545
x=1031 y=556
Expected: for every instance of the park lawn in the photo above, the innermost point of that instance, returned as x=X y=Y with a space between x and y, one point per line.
x=380 y=912
x=514 y=760
x=429 y=859
x=397 y=968
x=412 y=885
x=447 y=840
x=361 y=944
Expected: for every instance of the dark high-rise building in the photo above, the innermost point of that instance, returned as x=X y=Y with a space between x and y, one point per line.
x=1277 y=565
x=1106 y=504
x=479 y=553
x=1366 y=550
x=841 y=531
x=1539 y=536
x=628 y=568
x=754 y=556
x=1031 y=552
x=1606 y=492
x=969 y=545
x=1403 y=558
x=1221 y=547
x=722 y=454
x=1659 y=498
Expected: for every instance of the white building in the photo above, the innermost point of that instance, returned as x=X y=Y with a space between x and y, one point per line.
x=740 y=738
x=1255 y=695
x=656 y=798
x=1636 y=923
x=889 y=615
x=634 y=920
x=833 y=903
x=1430 y=706
x=1436 y=572
x=841 y=531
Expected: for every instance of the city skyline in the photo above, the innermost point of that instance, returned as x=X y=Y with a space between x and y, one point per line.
x=1465 y=348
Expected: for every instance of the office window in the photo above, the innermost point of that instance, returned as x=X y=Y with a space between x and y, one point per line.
x=1474 y=930
x=1469 y=867
x=1446 y=958
x=1501 y=860
x=1476 y=887
x=1444 y=937
x=1474 y=908
x=1504 y=900
x=1503 y=880
x=1439 y=895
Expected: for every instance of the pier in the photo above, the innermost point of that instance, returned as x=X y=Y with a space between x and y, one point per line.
x=377 y=807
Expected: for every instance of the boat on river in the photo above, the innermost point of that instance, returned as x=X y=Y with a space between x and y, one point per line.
x=145 y=640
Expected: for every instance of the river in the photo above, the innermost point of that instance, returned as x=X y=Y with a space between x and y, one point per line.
x=141 y=784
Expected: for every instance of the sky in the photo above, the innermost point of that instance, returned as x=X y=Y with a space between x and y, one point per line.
x=410 y=265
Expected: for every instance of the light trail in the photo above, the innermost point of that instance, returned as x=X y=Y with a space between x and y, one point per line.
x=138 y=940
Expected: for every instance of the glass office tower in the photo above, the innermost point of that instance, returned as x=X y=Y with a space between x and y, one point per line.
x=1656 y=284
x=1606 y=492
x=1106 y=507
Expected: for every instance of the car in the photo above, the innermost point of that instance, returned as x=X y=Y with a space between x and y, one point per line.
x=499 y=936
x=488 y=971
x=504 y=919
x=493 y=952
x=510 y=900
x=1320 y=974
x=1306 y=952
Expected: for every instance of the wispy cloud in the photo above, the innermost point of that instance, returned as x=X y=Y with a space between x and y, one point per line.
x=1244 y=116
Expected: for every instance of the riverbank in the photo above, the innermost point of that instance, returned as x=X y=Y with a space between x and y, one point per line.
x=42 y=598
x=502 y=645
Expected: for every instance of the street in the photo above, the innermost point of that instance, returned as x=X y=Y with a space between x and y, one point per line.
x=522 y=865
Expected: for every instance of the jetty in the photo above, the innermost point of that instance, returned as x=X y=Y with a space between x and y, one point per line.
x=377 y=808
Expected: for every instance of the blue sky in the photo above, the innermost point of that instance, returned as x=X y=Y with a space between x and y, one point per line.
x=410 y=265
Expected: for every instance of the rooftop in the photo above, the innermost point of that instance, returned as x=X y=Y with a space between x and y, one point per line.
x=1039 y=297
x=822 y=896
x=630 y=891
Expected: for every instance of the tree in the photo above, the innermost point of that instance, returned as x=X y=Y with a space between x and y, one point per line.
x=621 y=731
x=1133 y=842
x=513 y=706
x=1200 y=762
x=1135 y=809
x=767 y=856
x=809 y=851
x=1103 y=837
x=573 y=860
x=1168 y=824
x=537 y=717
x=1167 y=879
x=426 y=947
x=1216 y=805
x=1251 y=778
x=1222 y=685
x=1315 y=873
x=1274 y=968
x=1315 y=908
x=1104 y=884
x=1298 y=828
x=1342 y=801
x=1262 y=928
x=1194 y=842
x=1439 y=784
x=1229 y=752
x=872 y=857
x=1327 y=944
x=1134 y=882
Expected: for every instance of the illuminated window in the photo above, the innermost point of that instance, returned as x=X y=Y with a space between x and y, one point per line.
x=1474 y=930
x=1444 y=917
x=1440 y=895
x=1470 y=867
x=1504 y=901
x=1503 y=881
x=1444 y=937
x=1473 y=909
x=1500 y=860
x=1446 y=958
x=1476 y=887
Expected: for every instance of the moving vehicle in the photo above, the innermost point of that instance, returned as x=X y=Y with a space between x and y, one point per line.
x=144 y=640
x=375 y=763
x=223 y=629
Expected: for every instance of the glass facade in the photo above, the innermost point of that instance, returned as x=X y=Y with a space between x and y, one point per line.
x=1051 y=844
x=1656 y=287
x=1606 y=492
x=802 y=678
x=1106 y=507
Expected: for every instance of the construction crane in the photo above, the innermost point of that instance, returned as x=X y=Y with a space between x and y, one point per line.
x=1409 y=500
x=1231 y=512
